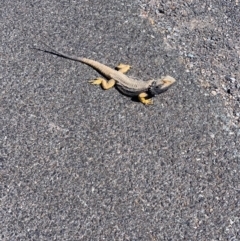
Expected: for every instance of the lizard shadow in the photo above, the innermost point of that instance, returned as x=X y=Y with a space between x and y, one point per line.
x=135 y=99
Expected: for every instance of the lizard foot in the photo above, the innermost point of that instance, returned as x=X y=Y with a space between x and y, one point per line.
x=123 y=68
x=147 y=102
x=142 y=99
x=97 y=81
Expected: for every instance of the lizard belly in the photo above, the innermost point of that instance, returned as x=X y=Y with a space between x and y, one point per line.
x=129 y=91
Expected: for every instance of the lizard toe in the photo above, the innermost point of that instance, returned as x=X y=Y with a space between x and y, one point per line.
x=95 y=82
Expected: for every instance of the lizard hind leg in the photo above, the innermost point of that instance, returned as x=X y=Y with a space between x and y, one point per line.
x=123 y=68
x=104 y=83
x=142 y=98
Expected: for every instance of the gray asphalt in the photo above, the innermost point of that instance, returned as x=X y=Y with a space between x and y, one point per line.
x=80 y=163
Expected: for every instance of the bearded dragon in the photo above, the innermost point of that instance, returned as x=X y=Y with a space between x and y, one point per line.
x=144 y=90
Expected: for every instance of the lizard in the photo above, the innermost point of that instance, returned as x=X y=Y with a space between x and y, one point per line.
x=144 y=90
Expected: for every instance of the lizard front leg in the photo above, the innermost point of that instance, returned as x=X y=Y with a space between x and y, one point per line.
x=142 y=98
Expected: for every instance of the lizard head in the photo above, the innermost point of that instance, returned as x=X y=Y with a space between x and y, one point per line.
x=159 y=86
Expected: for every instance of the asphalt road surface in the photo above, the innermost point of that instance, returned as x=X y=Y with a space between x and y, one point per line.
x=81 y=163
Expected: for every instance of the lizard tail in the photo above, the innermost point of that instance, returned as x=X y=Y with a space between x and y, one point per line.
x=61 y=54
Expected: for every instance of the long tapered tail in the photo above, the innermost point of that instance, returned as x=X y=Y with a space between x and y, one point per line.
x=59 y=53
x=103 y=69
